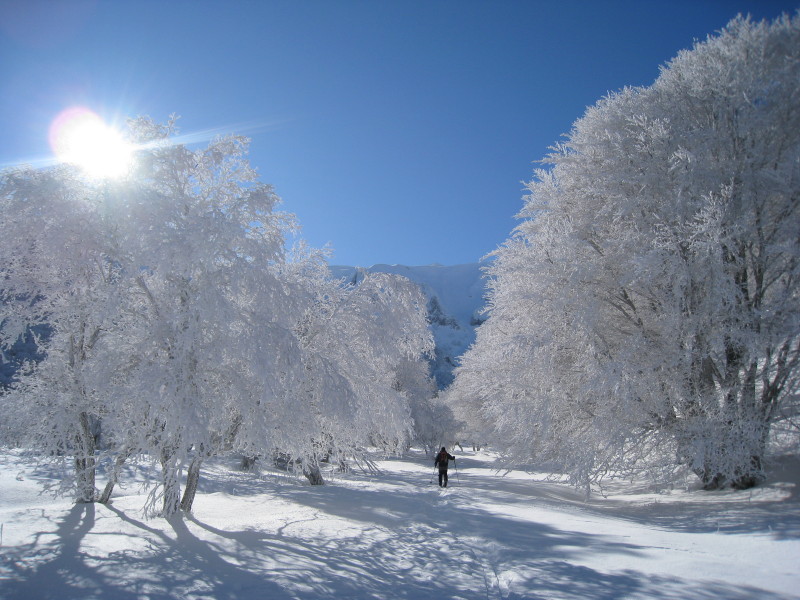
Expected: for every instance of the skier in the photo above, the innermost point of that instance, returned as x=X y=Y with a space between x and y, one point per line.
x=441 y=461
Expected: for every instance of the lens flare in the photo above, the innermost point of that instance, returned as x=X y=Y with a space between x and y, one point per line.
x=80 y=137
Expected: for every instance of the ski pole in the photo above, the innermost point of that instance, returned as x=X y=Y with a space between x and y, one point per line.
x=458 y=479
x=432 y=474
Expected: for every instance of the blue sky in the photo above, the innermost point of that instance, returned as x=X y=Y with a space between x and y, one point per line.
x=396 y=131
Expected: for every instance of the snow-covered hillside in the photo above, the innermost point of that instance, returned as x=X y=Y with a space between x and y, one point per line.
x=455 y=299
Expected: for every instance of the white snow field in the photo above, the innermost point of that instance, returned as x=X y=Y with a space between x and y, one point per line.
x=392 y=533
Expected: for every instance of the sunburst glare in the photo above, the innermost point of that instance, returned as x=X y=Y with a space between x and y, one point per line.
x=79 y=136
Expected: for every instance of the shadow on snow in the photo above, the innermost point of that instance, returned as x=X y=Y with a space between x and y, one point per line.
x=396 y=541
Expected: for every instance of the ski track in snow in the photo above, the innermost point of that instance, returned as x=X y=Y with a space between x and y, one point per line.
x=395 y=534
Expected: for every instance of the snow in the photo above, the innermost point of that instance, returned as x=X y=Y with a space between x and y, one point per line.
x=389 y=532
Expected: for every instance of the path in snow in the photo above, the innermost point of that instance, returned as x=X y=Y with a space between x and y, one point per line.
x=396 y=535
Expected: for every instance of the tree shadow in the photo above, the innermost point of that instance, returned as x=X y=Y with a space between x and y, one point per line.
x=426 y=546
x=352 y=539
x=185 y=566
x=58 y=568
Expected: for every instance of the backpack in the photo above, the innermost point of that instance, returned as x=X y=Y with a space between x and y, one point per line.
x=441 y=460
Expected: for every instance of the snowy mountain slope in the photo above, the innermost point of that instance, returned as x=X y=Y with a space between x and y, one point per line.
x=455 y=299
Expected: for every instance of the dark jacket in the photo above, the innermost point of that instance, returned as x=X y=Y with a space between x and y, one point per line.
x=441 y=460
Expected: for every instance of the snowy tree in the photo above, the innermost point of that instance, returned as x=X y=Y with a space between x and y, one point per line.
x=390 y=330
x=160 y=296
x=178 y=321
x=205 y=307
x=433 y=421
x=60 y=263
x=353 y=340
x=645 y=313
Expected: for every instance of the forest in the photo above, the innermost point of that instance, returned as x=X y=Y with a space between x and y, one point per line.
x=642 y=318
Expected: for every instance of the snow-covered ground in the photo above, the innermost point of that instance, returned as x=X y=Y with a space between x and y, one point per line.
x=394 y=534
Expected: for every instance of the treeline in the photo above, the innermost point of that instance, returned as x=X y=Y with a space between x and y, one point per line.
x=644 y=315
x=170 y=321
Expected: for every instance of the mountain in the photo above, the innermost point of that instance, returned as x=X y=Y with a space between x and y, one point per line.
x=455 y=298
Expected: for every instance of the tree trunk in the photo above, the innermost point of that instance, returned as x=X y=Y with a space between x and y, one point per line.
x=171 y=483
x=751 y=476
x=105 y=497
x=312 y=473
x=192 y=479
x=733 y=455
x=85 y=462
x=249 y=463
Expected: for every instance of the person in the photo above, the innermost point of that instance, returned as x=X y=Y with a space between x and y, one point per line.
x=441 y=461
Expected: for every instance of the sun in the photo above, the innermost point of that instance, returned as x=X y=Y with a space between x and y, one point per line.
x=80 y=137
